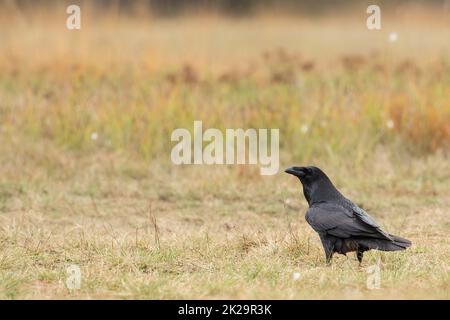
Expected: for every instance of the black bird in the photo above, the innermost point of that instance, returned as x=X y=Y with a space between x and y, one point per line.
x=342 y=225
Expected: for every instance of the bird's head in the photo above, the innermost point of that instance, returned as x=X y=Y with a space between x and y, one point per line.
x=316 y=185
x=306 y=174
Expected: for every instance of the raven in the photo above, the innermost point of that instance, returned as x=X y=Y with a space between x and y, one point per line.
x=342 y=225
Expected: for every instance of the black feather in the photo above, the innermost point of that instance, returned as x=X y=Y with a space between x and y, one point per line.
x=342 y=225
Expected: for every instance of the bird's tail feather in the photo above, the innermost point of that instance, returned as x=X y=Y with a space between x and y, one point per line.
x=396 y=244
x=401 y=241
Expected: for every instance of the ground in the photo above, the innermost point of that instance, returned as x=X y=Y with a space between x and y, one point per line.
x=164 y=232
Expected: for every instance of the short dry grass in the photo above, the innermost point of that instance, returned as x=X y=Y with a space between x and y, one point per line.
x=374 y=115
x=162 y=232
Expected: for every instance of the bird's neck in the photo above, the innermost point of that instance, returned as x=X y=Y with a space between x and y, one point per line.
x=321 y=191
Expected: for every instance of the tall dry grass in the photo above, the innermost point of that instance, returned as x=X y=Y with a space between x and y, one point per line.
x=133 y=81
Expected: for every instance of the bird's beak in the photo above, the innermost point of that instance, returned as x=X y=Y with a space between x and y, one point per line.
x=296 y=171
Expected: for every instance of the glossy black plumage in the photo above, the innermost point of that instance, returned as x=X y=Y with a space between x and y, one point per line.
x=342 y=225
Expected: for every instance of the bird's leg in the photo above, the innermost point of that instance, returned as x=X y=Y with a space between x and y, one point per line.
x=359 y=255
x=328 y=253
x=328 y=256
x=328 y=247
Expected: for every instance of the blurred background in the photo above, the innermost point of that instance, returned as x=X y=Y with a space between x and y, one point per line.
x=343 y=96
x=139 y=69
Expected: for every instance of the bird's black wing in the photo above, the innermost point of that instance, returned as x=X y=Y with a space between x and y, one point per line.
x=335 y=220
x=367 y=219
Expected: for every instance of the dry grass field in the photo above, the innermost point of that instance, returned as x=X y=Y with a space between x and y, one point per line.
x=86 y=177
